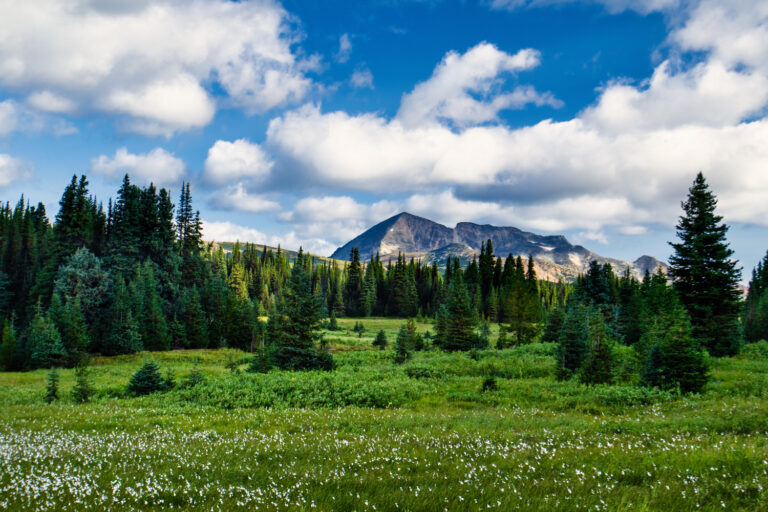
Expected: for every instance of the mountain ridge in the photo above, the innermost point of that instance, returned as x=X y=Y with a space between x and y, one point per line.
x=418 y=237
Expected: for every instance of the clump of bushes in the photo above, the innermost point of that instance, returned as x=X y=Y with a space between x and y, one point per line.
x=148 y=380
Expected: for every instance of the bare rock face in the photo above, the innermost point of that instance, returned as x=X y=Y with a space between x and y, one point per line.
x=555 y=257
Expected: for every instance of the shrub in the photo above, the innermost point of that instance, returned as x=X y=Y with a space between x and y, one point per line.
x=381 y=340
x=147 y=380
x=195 y=376
x=757 y=350
x=489 y=384
x=421 y=371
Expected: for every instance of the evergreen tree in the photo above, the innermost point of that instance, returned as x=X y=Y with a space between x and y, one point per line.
x=83 y=390
x=124 y=336
x=380 y=340
x=403 y=345
x=147 y=380
x=44 y=341
x=705 y=276
x=756 y=304
x=676 y=359
x=572 y=345
x=52 y=386
x=151 y=320
x=9 y=349
x=553 y=326
x=456 y=319
x=295 y=328
x=354 y=287
x=599 y=362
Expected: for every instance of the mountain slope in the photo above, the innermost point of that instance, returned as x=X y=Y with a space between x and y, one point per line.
x=555 y=256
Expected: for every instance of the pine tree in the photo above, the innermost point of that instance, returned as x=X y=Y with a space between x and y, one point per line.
x=147 y=380
x=705 y=276
x=9 y=348
x=756 y=304
x=52 y=386
x=354 y=287
x=83 y=390
x=676 y=359
x=380 y=340
x=456 y=319
x=295 y=327
x=124 y=336
x=572 y=344
x=599 y=362
x=44 y=341
x=403 y=345
x=553 y=326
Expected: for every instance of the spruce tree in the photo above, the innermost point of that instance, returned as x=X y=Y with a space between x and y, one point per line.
x=83 y=390
x=354 y=286
x=755 y=315
x=380 y=340
x=295 y=327
x=147 y=380
x=456 y=319
x=572 y=344
x=9 y=349
x=704 y=275
x=44 y=342
x=52 y=386
x=403 y=345
x=676 y=359
x=599 y=363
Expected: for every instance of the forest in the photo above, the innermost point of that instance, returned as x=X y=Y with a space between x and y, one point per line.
x=139 y=276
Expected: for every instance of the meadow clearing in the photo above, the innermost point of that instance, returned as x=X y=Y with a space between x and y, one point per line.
x=373 y=435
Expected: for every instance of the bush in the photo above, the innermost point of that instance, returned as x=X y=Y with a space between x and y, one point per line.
x=757 y=350
x=420 y=371
x=489 y=384
x=147 y=380
x=52 y=386
x=195 y=376
x=298 y=359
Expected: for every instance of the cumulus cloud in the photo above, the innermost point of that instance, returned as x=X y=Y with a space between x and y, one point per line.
x=157 y=166
x=229 y=161
x=345 y=49
x=449 y=94
x=612 y=6
x=237 y=197
x=623 y=162
x=362 y=78
x=8 y=118
x=12 y=170
x=229 y=232
x=136 y=58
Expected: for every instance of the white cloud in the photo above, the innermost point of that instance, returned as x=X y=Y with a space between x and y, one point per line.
x=8 y=118
x=230 y=161
x=12 y=170
x=612 y=6
x=157 y=166
x=50 y=102
x=138 y=59
x=449 y=93
x=362 y=78
x=237 y=197
x=229 y=232
x=345 y=49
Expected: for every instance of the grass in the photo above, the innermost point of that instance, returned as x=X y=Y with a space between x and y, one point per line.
x=375 y=436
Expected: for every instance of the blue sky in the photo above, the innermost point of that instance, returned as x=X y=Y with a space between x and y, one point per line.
x=304 y=122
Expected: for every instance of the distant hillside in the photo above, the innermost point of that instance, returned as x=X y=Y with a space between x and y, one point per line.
x=554 y=255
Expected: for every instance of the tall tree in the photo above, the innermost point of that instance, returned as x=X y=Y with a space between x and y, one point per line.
x=354 y=288
x=705 y=276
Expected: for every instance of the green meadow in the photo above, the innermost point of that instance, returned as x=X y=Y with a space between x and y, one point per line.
x=372 y=435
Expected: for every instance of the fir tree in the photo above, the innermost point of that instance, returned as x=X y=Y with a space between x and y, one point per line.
x=354 y=287
x=9 y=348
x=676 y=359
x=380 y=340
x=83 y=390
x=295 y=327
x=456 y=319
x=52 y=386
x=572 y=344
x=147 y=380
x=756 y=304
x=44 y=341
x=705 y=276
x=599 y=363
x=124 y=336
x=403 y=345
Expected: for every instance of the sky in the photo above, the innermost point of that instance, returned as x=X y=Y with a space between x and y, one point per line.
x=304 y=123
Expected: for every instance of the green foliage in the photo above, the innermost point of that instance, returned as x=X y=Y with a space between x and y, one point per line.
x=403 y=344
x=9 y=349
x=380 y=340
x=147 y=380
x=676 y=360
x=44 y=342
x=757 y=350
x=705 y=276
x=456 y=319
x=52 y=386
x=572 y=344
x=83 y=390
x=599 y=364
x=489 y=384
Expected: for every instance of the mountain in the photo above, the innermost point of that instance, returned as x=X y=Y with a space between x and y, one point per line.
x=554 y=255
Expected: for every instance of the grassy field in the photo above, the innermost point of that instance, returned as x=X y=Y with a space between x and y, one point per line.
x=375 y=436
